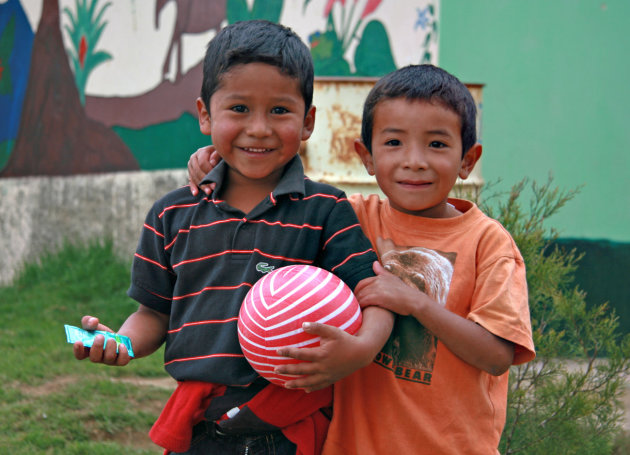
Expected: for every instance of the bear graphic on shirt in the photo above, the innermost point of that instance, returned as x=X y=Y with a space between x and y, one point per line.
x=411 y=348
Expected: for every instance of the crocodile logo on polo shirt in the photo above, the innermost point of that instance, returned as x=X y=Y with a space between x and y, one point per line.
x=263 y=267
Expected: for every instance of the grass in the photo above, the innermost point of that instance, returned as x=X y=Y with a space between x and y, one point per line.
x=50 y=403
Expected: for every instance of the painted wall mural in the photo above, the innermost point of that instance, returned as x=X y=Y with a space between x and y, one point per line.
x=110 y=85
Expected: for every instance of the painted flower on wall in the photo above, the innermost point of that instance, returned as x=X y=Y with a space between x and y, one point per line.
x=373 y=55
x=426 y=20
x=86 y=26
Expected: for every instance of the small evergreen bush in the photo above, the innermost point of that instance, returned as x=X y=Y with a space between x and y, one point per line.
x=567 y=400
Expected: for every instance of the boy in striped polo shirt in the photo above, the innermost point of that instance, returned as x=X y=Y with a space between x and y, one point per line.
x=199 y=255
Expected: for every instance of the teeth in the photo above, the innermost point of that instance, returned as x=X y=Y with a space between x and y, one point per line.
x=255 y=150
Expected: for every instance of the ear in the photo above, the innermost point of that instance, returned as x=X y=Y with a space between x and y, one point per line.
x=204 y=118
x=470 y=159
x=365 y=155
x=309 y=124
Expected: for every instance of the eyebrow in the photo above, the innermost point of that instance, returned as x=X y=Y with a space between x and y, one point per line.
x=437 y=132
x=279 y=99
x=392 y=130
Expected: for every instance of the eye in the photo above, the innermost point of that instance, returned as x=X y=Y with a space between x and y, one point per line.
x=279 y=110
x=393 y=143
x=239 y=108
x=437 y=144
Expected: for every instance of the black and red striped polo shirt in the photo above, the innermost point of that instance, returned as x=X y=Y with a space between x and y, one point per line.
x=198 y=256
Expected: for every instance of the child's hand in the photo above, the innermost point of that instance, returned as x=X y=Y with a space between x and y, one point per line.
x=338 y=355
x=387 y=291
x=200 y=163
x=99 y=352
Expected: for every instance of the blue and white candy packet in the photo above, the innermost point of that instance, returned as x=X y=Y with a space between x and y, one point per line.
x=74 y=334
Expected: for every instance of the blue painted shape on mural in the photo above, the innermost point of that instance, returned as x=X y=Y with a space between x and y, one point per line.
x=16 y=62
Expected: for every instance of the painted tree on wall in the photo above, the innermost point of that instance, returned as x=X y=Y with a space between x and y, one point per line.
x=55 y=136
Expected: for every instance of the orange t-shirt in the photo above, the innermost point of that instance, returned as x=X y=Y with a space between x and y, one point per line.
x=417 y=396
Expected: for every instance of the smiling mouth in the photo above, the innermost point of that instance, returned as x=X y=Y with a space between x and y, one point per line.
x=414 y=184
x=255 y=150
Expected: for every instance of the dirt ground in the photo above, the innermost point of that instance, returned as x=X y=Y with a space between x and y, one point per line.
x=163 y=383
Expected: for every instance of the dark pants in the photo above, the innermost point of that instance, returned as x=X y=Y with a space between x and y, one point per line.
x=207 y=441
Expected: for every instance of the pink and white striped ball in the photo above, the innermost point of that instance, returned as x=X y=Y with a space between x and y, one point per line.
x=275 y=307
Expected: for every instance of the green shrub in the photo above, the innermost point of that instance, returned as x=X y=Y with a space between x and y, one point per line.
x=566 y=401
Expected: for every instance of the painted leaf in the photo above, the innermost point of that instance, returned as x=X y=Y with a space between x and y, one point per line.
x=96 y=59
x=236 y=10
x=72 y=30
x=94 y=33
x=267 y=9
x=90 y=10
x=101 y=12
x=374 y=55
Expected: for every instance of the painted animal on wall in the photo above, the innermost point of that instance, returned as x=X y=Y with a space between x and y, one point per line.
x=192 y=16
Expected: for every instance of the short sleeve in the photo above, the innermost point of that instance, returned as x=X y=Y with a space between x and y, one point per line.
x=500 y=300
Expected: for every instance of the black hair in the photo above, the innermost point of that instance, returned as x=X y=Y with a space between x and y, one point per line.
x=423 y=82
x=261 y=42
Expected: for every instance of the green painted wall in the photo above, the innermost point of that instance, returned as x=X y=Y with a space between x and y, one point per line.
x=167 y=145
x=556 y=99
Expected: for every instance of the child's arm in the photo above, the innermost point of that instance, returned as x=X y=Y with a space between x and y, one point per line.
x=468 y=340
x=339 y=353
x=199 y=164
x=146 y=328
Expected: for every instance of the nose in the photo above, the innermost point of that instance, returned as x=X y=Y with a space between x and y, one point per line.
x=415 y=158
x=258 y=125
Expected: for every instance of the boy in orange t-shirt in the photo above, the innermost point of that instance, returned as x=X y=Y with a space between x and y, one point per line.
x=453 y=276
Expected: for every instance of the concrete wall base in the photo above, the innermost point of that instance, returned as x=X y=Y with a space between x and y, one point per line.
x=39 y=214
